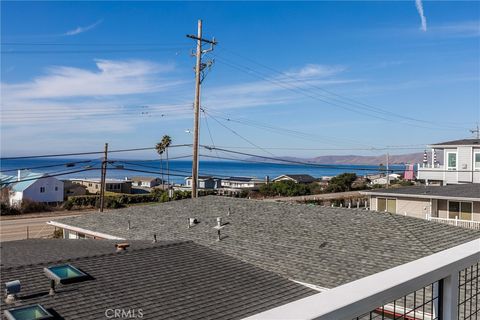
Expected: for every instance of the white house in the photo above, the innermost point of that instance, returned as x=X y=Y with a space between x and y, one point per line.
x=146 y=182
x=242 y=182
x=461 y=163
x=37 y=187
x=204 y=182
x=383 y=179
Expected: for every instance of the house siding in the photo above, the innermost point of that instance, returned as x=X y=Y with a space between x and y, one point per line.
x=50 y=195
x=464 y=164
x=413 y=207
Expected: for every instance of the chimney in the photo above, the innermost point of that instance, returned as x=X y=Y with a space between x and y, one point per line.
x=19 y=175
x=122 y=246
x=219 y=221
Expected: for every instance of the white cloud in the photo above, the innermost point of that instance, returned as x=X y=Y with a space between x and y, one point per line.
x=79 y=30
x=458 y=29
x=423 y=19
x=315 y=71
x=110 y=78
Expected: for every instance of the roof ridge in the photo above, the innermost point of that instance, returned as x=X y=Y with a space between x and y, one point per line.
x=155 y=245
x=408 y=232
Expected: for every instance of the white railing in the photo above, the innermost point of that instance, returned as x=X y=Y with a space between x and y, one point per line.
x=358 y=297
x=430 y=166
x=470 y=224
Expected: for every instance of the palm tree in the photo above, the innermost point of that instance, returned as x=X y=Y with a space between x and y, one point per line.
x=167 y=141
x=162 y=147
x=160 y=150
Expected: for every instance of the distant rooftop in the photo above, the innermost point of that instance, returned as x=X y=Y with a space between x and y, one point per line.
x=470 y=191
x=462 y=142
x=97 y=180
x=323 y=246
x=177 y=280
x=302 y=178
x=27 y=179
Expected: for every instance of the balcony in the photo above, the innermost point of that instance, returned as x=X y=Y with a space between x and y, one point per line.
x=428 y=171
x=444 y=286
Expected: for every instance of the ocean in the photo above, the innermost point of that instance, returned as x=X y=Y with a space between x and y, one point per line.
x=179 y=169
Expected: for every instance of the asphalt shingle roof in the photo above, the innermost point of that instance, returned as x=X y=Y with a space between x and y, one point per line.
x=179 y=280
x=469 y=190
x=326 y=247
x=462 y=142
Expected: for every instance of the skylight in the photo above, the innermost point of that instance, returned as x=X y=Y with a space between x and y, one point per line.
x=65 y=273
x=33 y=312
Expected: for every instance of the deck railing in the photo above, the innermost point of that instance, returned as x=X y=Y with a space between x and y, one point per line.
x=470 y=224
x=440 y=286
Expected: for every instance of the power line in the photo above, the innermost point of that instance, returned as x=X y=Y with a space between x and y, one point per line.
x=315 y=96
x=26 y=52
x=88 y=153
x=238 y=135
x=208 y=128
x=282 y=131
x=323 y=166
x=67 y=164
x=47 y=175
x=339 y=97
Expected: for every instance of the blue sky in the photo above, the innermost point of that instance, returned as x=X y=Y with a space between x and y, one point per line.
x=330 y=76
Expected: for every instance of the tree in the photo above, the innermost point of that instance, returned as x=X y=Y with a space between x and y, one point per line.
x=162 y=147
x=342 y=182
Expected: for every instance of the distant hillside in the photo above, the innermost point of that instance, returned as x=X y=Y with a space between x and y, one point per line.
x=354 y=159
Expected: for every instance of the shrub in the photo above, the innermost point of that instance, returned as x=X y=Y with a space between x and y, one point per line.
x=57 y=234
x=6 y=209
x=29 y=206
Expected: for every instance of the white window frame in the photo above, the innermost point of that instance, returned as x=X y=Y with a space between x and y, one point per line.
x=456 y=161
x=474 y=162
x=386 y=204
x=459 y=208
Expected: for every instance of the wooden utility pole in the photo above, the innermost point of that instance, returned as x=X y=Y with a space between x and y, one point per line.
x=199 y=66
x=103 y=178
x=388 y=172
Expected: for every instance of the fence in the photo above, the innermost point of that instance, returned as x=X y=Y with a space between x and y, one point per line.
x=440 y=286
x=470 y=224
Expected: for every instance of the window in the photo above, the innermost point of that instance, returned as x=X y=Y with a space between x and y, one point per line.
x=476 y=160
x=386 y=205
x=42 y=189
x=56 y=188
x=451 y=160
x=462 y=210
x=392 y=205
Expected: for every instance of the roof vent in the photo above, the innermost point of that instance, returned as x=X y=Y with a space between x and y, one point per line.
x=122 y=246
x=11 y=290
x=229 y=212
x=192 y=222
x=219 y=227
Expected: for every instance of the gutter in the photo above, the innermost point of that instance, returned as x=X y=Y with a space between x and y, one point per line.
x=419 y=196
x=85 y=231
